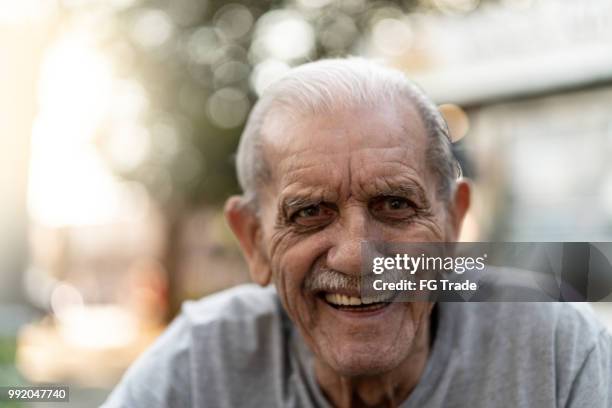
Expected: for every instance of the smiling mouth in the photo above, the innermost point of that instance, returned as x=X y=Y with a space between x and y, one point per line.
x=353 y=303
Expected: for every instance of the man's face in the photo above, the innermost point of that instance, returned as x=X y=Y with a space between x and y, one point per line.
x=338 y=180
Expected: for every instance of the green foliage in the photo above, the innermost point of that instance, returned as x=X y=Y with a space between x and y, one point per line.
x=8 y=372
x=201 y=57
x=8 y=348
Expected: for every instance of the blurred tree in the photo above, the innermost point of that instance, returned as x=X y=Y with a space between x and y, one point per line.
x=202 y=64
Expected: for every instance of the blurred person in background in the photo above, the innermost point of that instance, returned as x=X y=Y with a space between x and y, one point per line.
x=336 y=153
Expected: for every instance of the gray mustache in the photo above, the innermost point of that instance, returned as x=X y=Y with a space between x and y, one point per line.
x=329 y=280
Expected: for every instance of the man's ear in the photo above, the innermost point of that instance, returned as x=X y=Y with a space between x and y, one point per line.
x=246 y=227
x=460 y=204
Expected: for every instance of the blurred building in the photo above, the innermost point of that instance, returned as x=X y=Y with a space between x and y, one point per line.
x=536 y=89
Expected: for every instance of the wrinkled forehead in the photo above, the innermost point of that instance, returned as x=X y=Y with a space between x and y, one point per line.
x=332 y=147
x=287 y=129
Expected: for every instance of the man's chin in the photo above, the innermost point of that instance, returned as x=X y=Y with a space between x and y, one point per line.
x=365 y=367
x=355 y=358
x=359 y=345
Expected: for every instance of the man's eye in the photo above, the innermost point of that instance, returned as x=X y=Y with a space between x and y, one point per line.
x=397 y=203
x=393 y=207
x=313 y=215
x=311 y=211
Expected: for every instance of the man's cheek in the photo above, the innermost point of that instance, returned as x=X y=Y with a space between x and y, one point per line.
x=300 y=306
x=425 y=230
x=420 y=311
x=287 y=286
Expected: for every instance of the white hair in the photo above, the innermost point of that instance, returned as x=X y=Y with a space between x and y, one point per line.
x=331 y=84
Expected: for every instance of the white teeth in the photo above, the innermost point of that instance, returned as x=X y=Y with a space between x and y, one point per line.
x=379 y=298
x=342 y=300
x=367 y=301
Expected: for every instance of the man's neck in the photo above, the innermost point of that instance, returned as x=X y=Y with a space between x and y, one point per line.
x=389 y=389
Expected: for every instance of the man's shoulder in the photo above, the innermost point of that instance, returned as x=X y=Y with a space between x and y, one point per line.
x=563 y=316
x=566 y=327
x=234 y=320
x=526 y=352
x=239 y=304
x=578 y=318
x=236 y=331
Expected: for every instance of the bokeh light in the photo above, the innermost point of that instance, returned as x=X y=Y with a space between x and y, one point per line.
x=203 y=45
x=228 y=107
x=457 y=120
x=69 y=181
x=456 y=6
x=19 y=12
x=392 y=36
x=338 y=33
x=284 y=35
x=128 y=144
x=152 y=28
x=233 y=21
x=266 y=73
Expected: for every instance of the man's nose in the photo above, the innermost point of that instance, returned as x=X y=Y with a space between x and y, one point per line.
x=345 y=253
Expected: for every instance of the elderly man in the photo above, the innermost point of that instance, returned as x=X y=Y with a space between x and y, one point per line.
x=336 y=153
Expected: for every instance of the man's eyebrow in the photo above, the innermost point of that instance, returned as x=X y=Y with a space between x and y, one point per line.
x=406 y=189
x=300 y=200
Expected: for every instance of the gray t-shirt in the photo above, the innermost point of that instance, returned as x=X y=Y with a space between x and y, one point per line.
x=238 y=349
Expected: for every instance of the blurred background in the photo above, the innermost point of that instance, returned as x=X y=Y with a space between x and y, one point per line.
x=119 y=119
